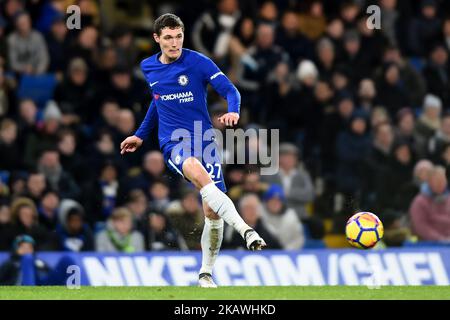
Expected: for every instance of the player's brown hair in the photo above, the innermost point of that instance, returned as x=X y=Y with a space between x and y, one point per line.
x=168 y=20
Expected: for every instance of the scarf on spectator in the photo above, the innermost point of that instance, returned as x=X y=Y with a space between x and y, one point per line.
x=121 y=243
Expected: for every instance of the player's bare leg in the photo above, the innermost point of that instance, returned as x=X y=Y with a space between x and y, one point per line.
x=220 y=203
x=211 y=242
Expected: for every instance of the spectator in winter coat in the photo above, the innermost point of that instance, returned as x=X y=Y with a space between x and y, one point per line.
x=430 y=210
x=27 y=48
x=74 y=234
x=425 y=29
x=25 y=221
x=352 y=147
x=436 y=74
x=281 y=220
x=430 y=121
x=294 y=178
x=24 y=268
x=119 y=235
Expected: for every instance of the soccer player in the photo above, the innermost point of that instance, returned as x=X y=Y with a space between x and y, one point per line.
x=178 y=79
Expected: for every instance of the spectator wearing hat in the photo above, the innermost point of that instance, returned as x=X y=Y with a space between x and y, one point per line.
x=282 y=221
x=45 y=137
x=430 y=210
x=294 y=179
x=73 y=233
x=430 y=120
x=308 y=117
x=25 y=269
x=11 y=272
x=27 y=48
x=250 y=208
x=119 y=235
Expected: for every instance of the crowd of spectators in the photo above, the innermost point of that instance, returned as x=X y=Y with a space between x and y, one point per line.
x=363 y=114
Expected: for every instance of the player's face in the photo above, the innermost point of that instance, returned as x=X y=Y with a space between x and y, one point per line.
x=171 y=42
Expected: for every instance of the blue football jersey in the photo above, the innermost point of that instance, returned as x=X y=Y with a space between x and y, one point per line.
x=179 y=91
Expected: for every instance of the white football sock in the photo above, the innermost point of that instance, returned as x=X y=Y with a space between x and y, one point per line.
x=211 y=241
x=221 y=204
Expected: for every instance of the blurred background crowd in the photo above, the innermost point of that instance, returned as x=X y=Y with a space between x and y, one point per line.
x=363 y=116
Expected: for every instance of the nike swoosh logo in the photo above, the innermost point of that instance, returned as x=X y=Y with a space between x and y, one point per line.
x=152 y=84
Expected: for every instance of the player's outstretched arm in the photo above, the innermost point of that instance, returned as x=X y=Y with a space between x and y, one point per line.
x=131 y=143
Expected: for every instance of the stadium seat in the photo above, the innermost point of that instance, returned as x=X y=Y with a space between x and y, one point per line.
x=417 y=63
x=314 y=244
x=39 y=88
x=418 y=244
x=336 y=241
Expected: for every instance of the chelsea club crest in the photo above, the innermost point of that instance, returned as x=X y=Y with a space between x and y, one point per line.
x=183 y=80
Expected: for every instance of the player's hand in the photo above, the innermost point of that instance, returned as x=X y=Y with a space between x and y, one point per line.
x=229 y=119
x=130 y=144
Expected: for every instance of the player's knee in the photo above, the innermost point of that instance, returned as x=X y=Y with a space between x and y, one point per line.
x=190 y=165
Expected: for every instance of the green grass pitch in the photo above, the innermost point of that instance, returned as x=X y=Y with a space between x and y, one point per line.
x=228 y=293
